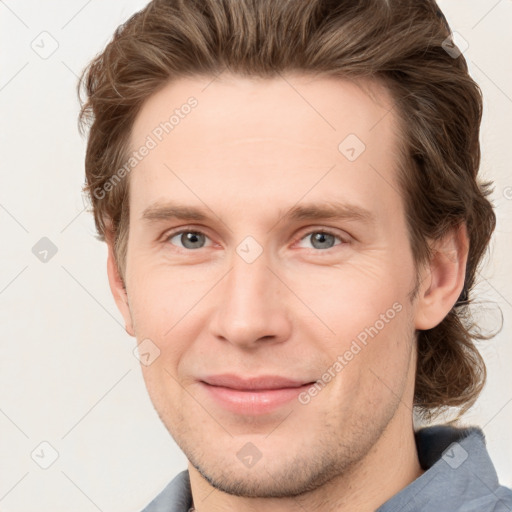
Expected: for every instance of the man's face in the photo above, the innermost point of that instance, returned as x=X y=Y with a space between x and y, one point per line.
x=251 y=291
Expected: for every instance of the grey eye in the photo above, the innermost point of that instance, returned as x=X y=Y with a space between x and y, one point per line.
x=321 y=240
x=190 y=239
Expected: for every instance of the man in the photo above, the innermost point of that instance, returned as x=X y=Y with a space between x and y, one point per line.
x=290 y=199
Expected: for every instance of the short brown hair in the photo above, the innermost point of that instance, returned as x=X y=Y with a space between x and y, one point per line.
x=400 y=43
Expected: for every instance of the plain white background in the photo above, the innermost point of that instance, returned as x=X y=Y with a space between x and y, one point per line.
x=68 y=376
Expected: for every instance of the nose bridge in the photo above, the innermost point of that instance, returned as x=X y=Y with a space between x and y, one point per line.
x=250 y=306
x=249 y=282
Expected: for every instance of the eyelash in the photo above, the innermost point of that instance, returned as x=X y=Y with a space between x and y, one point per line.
x=172 y=234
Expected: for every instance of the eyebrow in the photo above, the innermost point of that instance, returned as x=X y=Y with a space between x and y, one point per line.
x=311 y=211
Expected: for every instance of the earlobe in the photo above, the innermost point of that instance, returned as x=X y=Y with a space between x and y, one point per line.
x=118 y=289
x=443 y=280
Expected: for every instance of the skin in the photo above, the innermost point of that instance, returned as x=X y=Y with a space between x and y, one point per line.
x=250 y=151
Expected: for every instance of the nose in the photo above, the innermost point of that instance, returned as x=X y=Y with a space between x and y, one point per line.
x=252 y=305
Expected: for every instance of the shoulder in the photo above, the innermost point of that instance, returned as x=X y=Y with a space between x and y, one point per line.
x=459 y=475
x=175 y=497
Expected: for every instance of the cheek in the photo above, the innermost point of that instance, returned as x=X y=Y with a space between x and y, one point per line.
x=355 y=295
x=165 y=305
x=370 y=358
x=367 y=310
x=161 y=296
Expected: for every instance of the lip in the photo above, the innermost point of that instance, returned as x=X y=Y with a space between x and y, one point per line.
x=253 y=395
x=264 y=382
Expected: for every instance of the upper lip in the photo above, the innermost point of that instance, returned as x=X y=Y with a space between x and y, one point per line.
x=253 y=383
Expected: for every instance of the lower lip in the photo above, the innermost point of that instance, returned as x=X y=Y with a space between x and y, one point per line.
x=253 y=402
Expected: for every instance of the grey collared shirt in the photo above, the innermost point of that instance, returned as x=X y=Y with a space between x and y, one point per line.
x=459 y=477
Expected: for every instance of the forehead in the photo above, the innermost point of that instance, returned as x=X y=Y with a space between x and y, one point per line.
x=274 y=137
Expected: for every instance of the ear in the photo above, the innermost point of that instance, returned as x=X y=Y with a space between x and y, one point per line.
x=443 y=279
x=117 y=287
